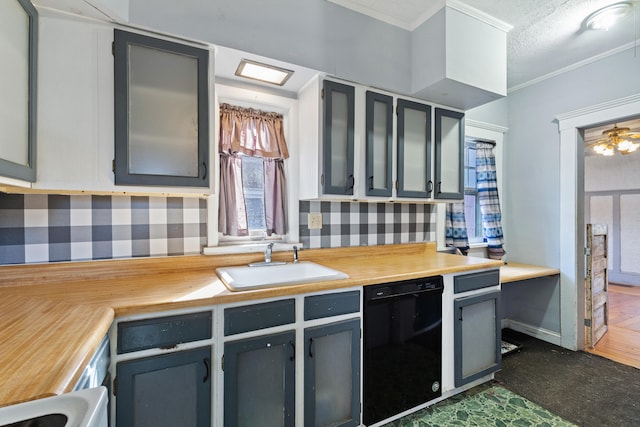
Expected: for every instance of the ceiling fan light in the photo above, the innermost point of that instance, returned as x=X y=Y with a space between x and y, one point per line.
x=626 y=147
x=607 y=17
x=604 y=149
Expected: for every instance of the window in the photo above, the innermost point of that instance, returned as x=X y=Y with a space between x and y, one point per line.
x=471 y=204
x=253 y=188
x=252 y=201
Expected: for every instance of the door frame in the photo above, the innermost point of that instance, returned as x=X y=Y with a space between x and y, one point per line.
x=572 y=221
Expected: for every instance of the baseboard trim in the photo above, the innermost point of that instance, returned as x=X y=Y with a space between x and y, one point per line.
x=534 y=331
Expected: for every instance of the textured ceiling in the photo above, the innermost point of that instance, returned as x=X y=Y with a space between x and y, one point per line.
x=547 y=35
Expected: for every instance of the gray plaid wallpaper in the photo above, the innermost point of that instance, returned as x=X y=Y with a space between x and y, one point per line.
x=367 y=224
x=38 y=228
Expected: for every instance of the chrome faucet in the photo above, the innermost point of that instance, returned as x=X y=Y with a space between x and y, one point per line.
x=295 y=254
x=267 y=253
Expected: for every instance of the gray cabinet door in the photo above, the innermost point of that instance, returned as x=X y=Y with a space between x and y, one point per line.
x=414 y=150
x=19 y=25
x=477 y=337
x=259 y=381
x=165 y=391
x=332 y=375
x=338 y=138
x=379 y=126
x=161 y=112
x=449 y=151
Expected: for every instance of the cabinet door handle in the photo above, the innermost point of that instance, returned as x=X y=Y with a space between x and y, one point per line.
x=311 y=348
x=371 y=182
x=439 y=191
x=293 y=352
x=460 y=317
x=206 y=366
x=351 y=182
x=429 y=187
x=204 y=166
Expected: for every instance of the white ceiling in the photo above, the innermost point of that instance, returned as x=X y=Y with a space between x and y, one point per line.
x=547 y=36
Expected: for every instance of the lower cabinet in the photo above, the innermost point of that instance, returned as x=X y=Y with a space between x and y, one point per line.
x=332 y=375
x=477 y=336
x=259 y=381
x=169 y=390
x=266 y=342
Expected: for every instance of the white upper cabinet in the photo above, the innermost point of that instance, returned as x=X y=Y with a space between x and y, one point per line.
x=18 y=50
x=353 y=146
x=76 y=135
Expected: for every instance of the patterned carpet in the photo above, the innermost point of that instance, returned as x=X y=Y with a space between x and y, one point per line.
x=483 y=406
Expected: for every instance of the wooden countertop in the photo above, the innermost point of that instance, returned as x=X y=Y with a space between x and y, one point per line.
x=514 y=272
x=53 y=316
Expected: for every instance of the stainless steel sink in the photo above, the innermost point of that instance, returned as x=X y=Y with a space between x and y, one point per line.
x=85 y=408
x=267 y=276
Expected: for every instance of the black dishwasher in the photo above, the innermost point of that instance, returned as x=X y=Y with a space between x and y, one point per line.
x=402 y=346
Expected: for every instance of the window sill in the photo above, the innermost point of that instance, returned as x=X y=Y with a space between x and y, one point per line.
x=249 y=248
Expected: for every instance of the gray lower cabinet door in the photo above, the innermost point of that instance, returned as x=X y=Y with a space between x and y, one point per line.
x=332 y=375
x=259 y=381
x=477 y=337
x=167 y=390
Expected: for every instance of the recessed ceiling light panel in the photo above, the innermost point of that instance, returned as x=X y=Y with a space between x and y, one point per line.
x=263 y=72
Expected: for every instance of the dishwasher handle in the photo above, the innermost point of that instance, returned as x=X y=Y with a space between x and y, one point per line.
x=408 y=287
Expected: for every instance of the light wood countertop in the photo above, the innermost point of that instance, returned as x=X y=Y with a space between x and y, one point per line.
x=515 y=271
x=53 y=316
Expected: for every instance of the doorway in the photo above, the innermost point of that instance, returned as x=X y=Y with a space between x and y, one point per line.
x=572 y=218
x=612 y=197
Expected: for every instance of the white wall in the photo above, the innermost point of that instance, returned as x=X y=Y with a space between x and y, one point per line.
x=602 y=173
x=532 y=154
x=316 y=34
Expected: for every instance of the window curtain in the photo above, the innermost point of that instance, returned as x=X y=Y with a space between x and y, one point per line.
x=456 y=228
x=489 y=201
x=250 y=132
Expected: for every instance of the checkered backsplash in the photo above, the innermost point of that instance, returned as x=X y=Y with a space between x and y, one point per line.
x=367 y=224
x=38 y=228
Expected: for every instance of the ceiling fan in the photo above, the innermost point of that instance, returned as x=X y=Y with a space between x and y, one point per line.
x=616 y=138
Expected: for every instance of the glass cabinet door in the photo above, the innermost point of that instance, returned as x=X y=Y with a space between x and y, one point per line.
x=168 y=390
x=379 y=122
x=18 y=44
x=414 y=150
x=477 y=337
x=259 y=381
x=338 y=138
x=449 y=148
x=332 y=375
x=161 y=112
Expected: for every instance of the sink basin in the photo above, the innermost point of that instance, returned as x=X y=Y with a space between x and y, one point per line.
x=267 y=276
x=85 y=408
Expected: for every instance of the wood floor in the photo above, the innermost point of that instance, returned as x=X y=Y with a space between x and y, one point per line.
x=622 y=342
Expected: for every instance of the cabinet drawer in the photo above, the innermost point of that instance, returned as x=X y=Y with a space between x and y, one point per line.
x=259 y=316
x=469 y=282
x=163 y=331
x=319 y=306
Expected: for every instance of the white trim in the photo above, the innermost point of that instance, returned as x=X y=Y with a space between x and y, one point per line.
x=479 y=15
x=486 y=126
x=572 y=209
x=572 y=66
x=534 y=331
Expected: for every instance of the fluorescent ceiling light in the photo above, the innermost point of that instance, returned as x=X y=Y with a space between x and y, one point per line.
x=607 y=17
x=263 y=72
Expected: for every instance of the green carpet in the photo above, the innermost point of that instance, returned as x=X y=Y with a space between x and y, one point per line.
x=487 y=405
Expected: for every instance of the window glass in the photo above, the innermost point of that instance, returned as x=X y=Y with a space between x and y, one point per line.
x=253 y=188
x=472 y=214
